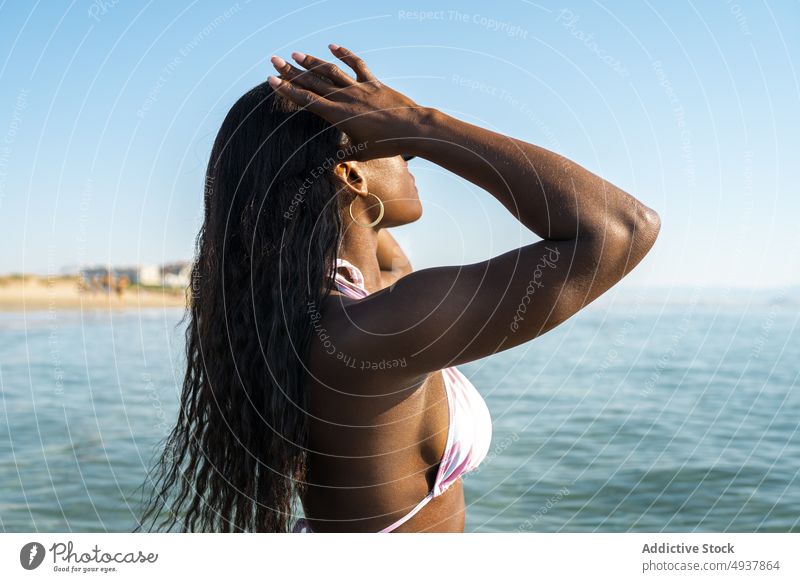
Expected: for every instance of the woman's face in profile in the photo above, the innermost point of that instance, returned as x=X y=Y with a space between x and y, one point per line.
x=390 y=180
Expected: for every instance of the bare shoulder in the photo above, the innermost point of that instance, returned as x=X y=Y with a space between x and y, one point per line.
x=340 y=354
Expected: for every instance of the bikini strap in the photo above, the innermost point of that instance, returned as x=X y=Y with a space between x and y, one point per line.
x=352 y=288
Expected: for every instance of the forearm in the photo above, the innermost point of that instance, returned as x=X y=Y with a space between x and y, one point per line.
x=551 y=195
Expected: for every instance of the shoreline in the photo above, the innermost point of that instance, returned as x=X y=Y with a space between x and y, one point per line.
x=31 y=293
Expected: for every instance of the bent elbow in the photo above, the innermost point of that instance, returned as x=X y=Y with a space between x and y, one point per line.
x=627 y=237
x=647 y=227
x=643 y=232
x=633 y=235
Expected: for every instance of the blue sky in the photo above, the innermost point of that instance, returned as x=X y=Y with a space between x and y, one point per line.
x=108 y=111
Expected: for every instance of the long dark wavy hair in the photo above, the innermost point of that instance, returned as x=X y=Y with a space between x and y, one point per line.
x=236 y=457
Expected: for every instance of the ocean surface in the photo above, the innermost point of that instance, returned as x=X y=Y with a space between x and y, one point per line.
x=636 y=416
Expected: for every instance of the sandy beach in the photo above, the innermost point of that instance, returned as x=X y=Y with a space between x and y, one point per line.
x=38 y=293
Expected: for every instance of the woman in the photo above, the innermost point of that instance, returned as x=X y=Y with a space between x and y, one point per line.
x=320 y=368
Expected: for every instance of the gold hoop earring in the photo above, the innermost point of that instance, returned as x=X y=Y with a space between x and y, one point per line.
x=374 y=222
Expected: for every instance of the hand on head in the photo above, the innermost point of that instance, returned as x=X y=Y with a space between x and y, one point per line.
x=374 y=116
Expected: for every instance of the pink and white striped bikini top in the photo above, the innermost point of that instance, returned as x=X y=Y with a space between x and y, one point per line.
x=470 y=429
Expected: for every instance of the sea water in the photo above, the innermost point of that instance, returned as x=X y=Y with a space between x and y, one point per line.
x=636 y=417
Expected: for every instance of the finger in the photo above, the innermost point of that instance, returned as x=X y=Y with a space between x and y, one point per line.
x=324 y=68
x=314 y=103
x=304 y=79
x=363 y=74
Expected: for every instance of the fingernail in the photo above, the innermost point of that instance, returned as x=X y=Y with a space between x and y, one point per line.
x=278 y=62
x=299 y=57
x=333 y=47
x=273 y=81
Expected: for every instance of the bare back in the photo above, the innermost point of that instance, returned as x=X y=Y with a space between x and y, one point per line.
x=374 y=444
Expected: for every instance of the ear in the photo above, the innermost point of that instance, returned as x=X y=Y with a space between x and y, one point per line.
x=352 y=177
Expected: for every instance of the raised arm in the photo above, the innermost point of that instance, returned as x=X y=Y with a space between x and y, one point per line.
x=594 y=233
x=554 y=197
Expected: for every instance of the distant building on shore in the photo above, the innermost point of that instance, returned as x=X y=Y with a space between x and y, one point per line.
x=175 y=275
x=149 y=276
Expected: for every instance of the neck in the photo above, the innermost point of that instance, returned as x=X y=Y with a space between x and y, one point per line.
x=360 y=247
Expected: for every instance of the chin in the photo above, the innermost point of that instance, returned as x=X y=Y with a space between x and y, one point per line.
x=415 y=211
x=406 y=215
x=411 y=215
